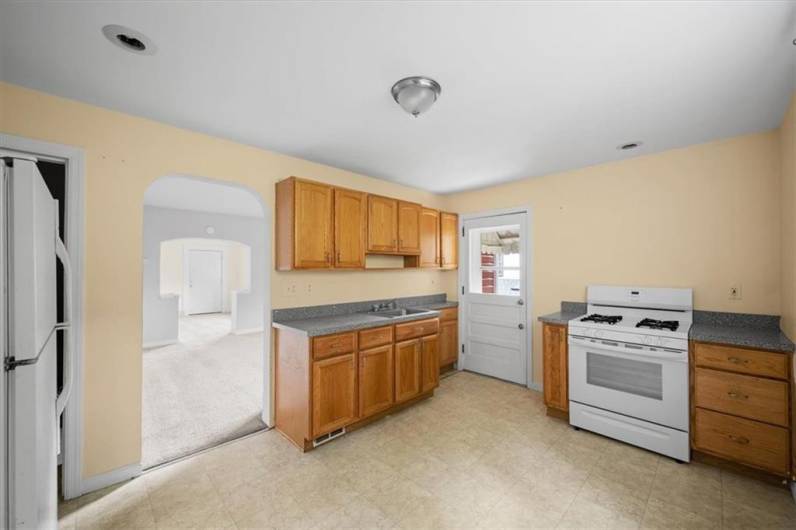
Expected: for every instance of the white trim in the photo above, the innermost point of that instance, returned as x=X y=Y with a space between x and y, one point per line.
x=247 y=331
x=462 y=278
x=159 y=343
x=103 y=480
x=75 y=236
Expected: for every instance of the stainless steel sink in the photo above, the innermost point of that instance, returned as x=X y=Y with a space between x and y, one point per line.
x=395 y=313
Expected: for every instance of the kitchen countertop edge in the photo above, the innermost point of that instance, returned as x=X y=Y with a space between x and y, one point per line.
x=304 y=326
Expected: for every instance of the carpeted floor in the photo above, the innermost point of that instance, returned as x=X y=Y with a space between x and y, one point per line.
x=202 y=391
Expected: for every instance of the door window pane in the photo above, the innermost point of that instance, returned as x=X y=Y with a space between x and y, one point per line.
x=495 y=261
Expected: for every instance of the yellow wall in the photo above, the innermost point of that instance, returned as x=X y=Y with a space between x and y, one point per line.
x=788 y=209
x=124 y=154
x=706 y=217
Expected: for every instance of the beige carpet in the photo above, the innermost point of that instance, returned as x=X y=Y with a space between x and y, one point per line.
x=202 y=391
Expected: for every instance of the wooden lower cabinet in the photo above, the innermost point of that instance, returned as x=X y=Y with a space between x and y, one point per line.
x=555 y=367
x=407 y=370
x=448 y=342
x=429 y=363
x=741 y=406
x=334 y=392
x=325 y=383
x=376 y=369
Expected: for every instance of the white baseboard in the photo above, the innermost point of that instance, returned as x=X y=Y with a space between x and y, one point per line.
x=535 y=386
x=159 y=343
x=103 y=480
x=247 y=331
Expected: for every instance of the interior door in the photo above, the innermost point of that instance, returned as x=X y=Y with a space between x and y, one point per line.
x=205 y=278
x=495 y=324
x=32 y=296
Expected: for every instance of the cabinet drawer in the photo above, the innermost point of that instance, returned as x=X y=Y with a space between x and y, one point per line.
x=743 y=395
x=419 y=328
x=753 y=362
x=370 y=338
x=450 y=313
x=329 y=345
x=744 y=441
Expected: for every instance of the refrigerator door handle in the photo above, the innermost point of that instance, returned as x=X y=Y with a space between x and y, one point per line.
x=66 y=390
x=11 y=363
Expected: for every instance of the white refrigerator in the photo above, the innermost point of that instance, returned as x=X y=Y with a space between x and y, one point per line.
x=31 y=408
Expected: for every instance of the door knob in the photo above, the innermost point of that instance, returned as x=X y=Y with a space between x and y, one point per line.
x=520 y=302
x=521 y=325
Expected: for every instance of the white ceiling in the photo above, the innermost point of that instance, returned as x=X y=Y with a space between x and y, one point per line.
x=185 y=193
x=527 y=88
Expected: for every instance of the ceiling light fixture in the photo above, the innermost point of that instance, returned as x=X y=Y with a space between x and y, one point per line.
x=129 y=39
x=416 y=94
x=628 y=146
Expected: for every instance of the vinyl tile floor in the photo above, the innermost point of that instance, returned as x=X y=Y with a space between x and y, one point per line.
x=480 y=454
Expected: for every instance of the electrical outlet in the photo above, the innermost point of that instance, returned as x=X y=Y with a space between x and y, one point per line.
x=309 y=288
x=290 y=289
x=735 y=292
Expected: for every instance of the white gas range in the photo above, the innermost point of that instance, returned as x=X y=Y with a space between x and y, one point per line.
x=628 y=367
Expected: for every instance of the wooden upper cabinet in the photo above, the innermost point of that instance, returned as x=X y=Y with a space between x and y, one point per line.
x=429 y=363
x=429 y=238
x=449 y=241
x=409 y=227
x=375 y=380
x=333 y=393
x=382 y=224
x=350 y=227
x=554 y=361
x=407 y=370
x=304 y=225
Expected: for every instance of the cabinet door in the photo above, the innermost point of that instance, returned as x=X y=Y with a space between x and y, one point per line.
x=429 y=363
x=449 y=248
x=448 y=342
x=382 y=224
x=429 y=238
x=409 y=227
x=333 y=393
x=375 y=380
x=407 y=370
x=313 y=225
x=350 y=224
x=554 y=340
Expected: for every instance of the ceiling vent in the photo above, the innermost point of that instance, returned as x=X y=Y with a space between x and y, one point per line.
x=129 y=39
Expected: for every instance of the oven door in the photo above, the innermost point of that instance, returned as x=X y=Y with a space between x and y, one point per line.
x=647 y=383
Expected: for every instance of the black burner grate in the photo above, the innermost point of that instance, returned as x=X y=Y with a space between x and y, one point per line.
x=602 y=319
x=651 y=323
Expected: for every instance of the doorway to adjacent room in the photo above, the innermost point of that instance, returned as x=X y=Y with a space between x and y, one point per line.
x=205 y=369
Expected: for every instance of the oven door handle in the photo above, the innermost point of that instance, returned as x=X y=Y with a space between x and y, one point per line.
x=636 y=351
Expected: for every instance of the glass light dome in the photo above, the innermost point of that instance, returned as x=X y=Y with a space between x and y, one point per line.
x=416 y=94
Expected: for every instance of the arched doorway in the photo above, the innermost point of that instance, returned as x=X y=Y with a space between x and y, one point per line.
x=205 y=317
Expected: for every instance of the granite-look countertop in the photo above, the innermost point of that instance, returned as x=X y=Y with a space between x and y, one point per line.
x=740 y=329
x=337 y=318
x=314 y=327
x=569 y=310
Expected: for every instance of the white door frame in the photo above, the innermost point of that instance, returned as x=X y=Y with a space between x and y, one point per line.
x=527 y=259
x=74 y=159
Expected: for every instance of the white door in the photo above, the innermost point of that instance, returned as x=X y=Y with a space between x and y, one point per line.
x=495 y=328
x=205 y=277
x=31 y=440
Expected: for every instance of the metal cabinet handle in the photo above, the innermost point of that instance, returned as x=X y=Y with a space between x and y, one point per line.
x=736 y=360
x=739 y=439
x=339 y=259
x=737 y=395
